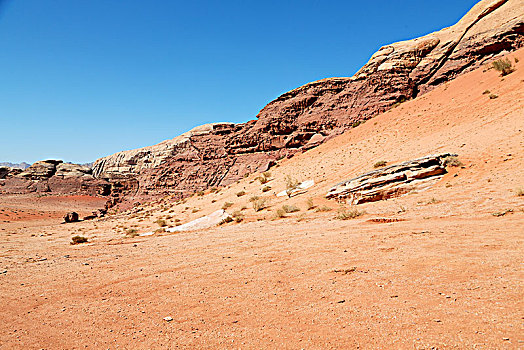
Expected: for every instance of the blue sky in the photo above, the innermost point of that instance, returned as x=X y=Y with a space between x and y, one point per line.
x=81 y=79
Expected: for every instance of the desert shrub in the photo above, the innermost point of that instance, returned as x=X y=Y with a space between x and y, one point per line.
x=309 y=204
x=161 y=223
x=259 y=204
x=493 y=96
x=213 y=190
x=254 y=198
x=238 y=216
x=266 y=188
x=226 y=220
x=433 y=201
x=78 y=239
x=380 y=164
x=346 y=214
x=291 y=184
x=131 y=232
x=200 y=193
x=227 y=205
x=160 y=230
x=280 y=213
x=323 y=208
x=503 y=66
x=264 y=177
x=486 y=92
x=194 y=210
x=355 y=124
x=241 y=193
x=519 y=192
x=290 y=208
x=451 y=161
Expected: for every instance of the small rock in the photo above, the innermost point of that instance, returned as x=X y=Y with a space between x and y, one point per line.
x=71 y=217
x=2 y=272
x=168 y=319
x=505 y=339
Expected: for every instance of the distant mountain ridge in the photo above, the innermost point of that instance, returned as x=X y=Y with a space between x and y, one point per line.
x=22 y=165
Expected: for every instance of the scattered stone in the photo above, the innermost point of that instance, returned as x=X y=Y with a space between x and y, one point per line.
x=168 y=319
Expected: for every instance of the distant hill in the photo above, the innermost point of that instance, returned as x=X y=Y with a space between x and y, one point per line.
x=22 y=165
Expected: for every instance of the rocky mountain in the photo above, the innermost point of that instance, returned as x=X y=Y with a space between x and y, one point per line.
x=22 y=165
x=221 y=153
x=52 y=176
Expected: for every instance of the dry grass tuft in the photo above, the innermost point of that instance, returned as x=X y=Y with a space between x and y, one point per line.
x=503 y=66
x=309 y=204
x=323 y=208
x=290 y=208
x=452 y=161
x=346 y=214
x=259 y=204
x=380 y=164
x=161 y=223
x=227 y=205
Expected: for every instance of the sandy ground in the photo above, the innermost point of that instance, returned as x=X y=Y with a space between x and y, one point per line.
x=447 y=275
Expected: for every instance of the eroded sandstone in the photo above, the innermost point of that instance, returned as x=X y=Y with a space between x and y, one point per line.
x=391 y=181
x=219 y=154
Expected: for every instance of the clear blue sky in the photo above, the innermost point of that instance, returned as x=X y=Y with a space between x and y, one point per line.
x=81 y=79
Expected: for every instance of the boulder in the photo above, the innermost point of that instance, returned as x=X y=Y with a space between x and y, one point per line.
x=391 y=181
x=4 y=171
x=71 y=217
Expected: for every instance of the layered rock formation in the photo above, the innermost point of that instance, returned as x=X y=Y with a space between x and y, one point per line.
x=218 y=154
x=391 y=181
x=53 y=176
